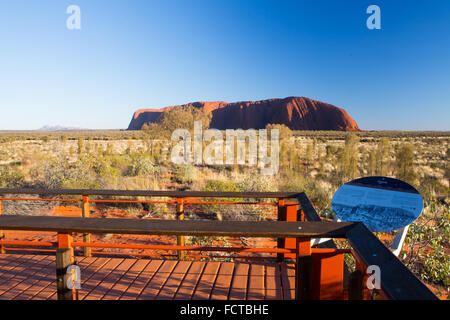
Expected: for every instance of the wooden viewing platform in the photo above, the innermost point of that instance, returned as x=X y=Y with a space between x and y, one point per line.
x=296 y=270
x=25 y=277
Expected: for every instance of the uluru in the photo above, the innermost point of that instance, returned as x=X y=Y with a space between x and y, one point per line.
x=297 y=113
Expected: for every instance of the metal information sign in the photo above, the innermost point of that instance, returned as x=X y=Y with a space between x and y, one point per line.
x=381 y=203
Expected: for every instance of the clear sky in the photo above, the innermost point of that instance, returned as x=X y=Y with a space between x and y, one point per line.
x=142 y=54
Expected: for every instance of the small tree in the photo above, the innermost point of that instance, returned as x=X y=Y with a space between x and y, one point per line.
x=80 y=145
x=447 y=167
x=348 y=158
x=309 y=153
x=404 y=163
x=372 y=165
x=141 y=166
x=284 y=132
x=382 y=156
x=180 y=117
x=11 y=177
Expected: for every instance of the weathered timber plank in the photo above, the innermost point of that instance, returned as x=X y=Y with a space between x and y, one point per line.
x=138 y=285
x=33 y=275
x=256 y=289
x=110 y=280
x=288 y=280
x=206 y=283
x=223 y=281
x=273 y=282
x=126 y=280
x=190 y=281
x=238 y=290
x=17 y=272
x=97 y=277
x=171 y=286
x=7 y=260
x=45 y=279
x=158 y=280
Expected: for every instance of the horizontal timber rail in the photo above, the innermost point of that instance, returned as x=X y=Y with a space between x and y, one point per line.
x=178 y=198
x=144 y=201
x=147 y=193
x=275 y=229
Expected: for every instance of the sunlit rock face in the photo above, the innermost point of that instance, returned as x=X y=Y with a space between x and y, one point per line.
x=298 y=113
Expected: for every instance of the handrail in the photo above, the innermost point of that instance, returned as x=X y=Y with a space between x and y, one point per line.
x=174 y=194
x=144 y=201
x=273 y=229
x=180 y=198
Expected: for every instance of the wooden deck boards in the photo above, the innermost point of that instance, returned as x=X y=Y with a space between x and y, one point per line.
x=24 y=277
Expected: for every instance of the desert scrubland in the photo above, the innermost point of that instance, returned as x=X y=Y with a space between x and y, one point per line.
x=317 y=162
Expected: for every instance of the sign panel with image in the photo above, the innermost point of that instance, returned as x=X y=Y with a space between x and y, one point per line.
x=381 y=203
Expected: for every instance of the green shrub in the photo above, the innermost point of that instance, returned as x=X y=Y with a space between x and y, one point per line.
x=240 y=212
x=221 y=185
x=284 y=132
x=80 y=145
x=56 y=174
x=424 y=251
x=404 y=163
x=120 y=162
x=11 y=177
x=102 y=167
x=175 y=118
x=141 y=166
x=257 y=183
x=297 y=183
x=219 y=210
x=185 y=174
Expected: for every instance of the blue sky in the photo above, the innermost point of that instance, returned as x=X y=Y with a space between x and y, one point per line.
x=141 y=54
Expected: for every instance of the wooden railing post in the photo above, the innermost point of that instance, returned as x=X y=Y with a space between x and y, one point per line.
x=291 y=243
x=356 y=285
x=287 y=213
x=180 y=216
x=64 y=259
x=304 y=270
x=281 y=217
x=86 y=213
x=2 y=233
x=301 y=214
x=328 y=274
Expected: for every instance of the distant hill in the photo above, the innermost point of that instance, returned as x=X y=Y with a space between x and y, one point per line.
x=298 y=113
x=58 y=128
